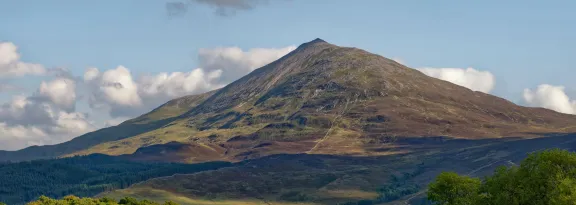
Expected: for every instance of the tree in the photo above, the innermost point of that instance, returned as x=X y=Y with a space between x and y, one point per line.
x=453 y=189
x=73 y=200
x=546 y=177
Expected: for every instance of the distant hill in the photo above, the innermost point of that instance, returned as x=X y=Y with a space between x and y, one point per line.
x=318 y=99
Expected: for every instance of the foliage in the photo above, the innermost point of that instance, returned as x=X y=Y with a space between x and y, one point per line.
x=451 y=189
x=546 y=177
x=294 y=196
x=400 y=186
x=396 y=188
x=74 y=200
x=82 y=176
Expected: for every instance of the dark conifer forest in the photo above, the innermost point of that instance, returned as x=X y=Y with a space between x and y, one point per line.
x=82 y=176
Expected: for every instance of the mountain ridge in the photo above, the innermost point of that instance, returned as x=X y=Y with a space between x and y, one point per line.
x=319 y=98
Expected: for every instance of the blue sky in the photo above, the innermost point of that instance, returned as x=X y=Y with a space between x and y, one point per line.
x=523 y=44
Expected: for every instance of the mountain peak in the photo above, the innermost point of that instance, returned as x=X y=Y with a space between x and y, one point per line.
x=316 y=41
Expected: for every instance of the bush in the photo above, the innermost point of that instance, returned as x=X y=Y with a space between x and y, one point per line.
x=73 y=200
x=546 y=177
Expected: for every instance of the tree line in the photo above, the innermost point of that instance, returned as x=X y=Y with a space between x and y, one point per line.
x=83 y=176
x=74 y=200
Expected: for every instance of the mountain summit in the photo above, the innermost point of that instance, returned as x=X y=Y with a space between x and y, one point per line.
x=320 y=98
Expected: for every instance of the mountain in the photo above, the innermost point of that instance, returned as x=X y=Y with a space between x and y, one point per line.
x=318 y=99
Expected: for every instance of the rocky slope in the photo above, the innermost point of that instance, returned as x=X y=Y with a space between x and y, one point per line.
x=318 y=99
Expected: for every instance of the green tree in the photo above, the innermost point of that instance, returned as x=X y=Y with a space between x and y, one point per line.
x=450 y=188
x=546 y=177
x=73 y=200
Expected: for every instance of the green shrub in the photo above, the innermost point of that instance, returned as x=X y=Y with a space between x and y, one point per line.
x=546 y=177
x=74 y=200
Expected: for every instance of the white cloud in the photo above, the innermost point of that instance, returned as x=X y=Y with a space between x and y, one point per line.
x=48 y=116
x=28 y=121
x=16 y=137
x=550 y=97
x=177 y=84
x=91 y=74
x=10 y=64
x=117 y=91
x=235 y=63
x=60 y=91
x=45 y=117
x=115 y=86
x=119 y=87
x=470 y=78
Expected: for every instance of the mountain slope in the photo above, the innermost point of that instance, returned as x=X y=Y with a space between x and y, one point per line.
x=147 y=122
x=331 y=179
x=327 y=99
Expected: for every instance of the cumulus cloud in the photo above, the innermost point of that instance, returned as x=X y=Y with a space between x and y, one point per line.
x=550 y=97
x=177 y=84
x=60 y=91
x=122 y=95
x=11 y=66
x=117 y=86
x=27 y=121
x=48 y=116
x=470 y=78
x=234 y=63
x=16 y=137
x=221 y=7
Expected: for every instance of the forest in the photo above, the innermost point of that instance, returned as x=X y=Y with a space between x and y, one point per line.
x=83 y=176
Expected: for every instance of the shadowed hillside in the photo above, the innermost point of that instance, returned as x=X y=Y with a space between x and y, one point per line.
x=329 y=179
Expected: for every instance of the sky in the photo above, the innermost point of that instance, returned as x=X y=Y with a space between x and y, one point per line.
x=68 y=67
